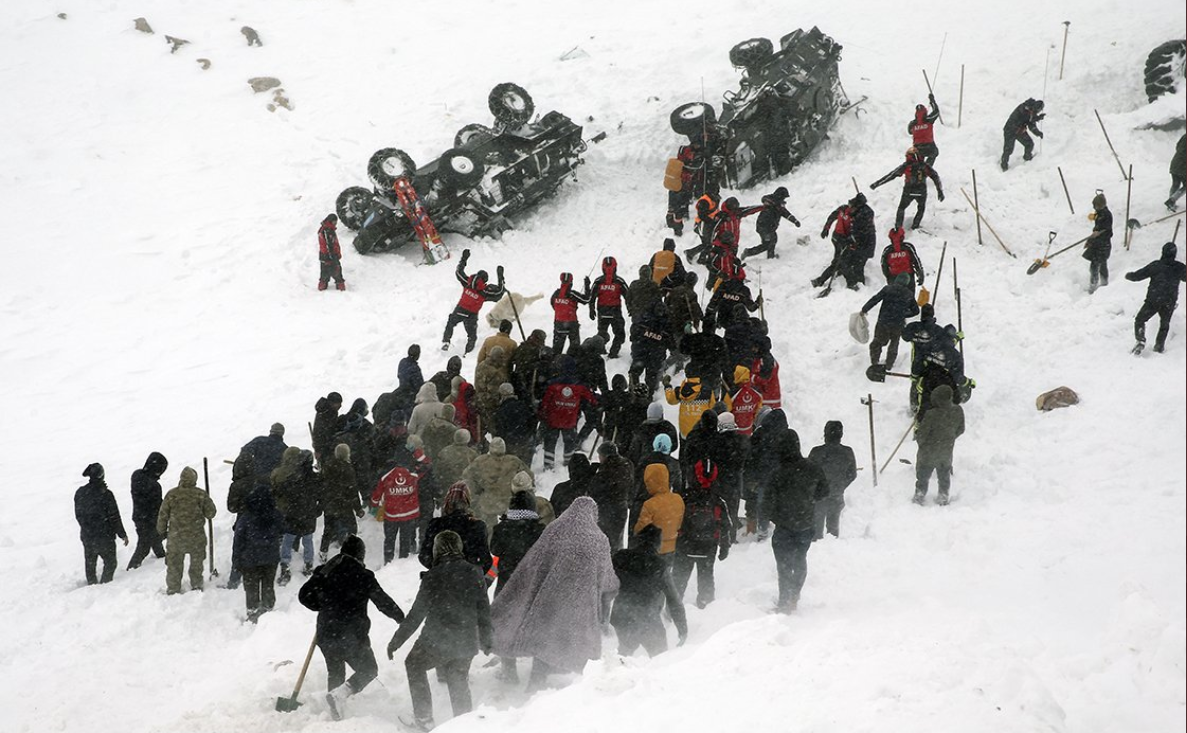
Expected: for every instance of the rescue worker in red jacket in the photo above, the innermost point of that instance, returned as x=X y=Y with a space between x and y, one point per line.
x=692 y=183
x=564 y=313
x=729 y=219
x=475 y=291
x=900 y=257
x=915 y=173
x=847 y=260
x=605 y=304
x=559 y=410
x=396 y=499
x=329 y=254
x=745 y=402
x=923 y=132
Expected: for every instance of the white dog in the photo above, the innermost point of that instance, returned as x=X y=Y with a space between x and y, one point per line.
x=503 y=310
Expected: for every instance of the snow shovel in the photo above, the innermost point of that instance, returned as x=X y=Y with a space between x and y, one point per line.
x=1040 y=264
x=290 y=704
x=878 y=373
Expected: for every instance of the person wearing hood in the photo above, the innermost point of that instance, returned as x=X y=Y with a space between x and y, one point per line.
x=759 y=464
x=764 y=375
x=489 y=477
x=329 y=254
x=643 y=440
x=704 y=533
x=1099 y=244
x=694 y=399
x=428 y=406
x=660 y=455
x=929 y=342
x=358 y=434
x=502 y=339
x=794 y=485
x=840 y=470
x=443 y=380
x=898 y=304
x=408 y=370
x=774 y=210
x=182 y=519
x=730 y=452
x=921 y=128
x=847 y=260
x=453 y=460
x=644 y=587
x=255 y=550
x=666 y=263
x=935 y=434
x=266 y=450
x=339 y=592
x=642 y=293
x=708 y=358
x=325 y=424
x=684 y=309
x=439 y=432
x=1025 y=117
x=560 y=407
x=865 y=235
x=915 y=173
x=146 y=504
x=664 y=509
x=702 y=441
x=525 y=481
x=465 y=411
x=99 y=523
x=553 y=608
x=457 y=516
x=297 y=490
x=525 y=363
x=453 y=606
x=729 y=221
x=605 y=305
x=612 y=488
x=515 y=422
x=727 y=298
x=341 y=503
x=745 y=403
x=900 y=258
x=476 y=291
x=579 y=483
x=1165 y=275
x=488 y=377
x=397 y=498
x=620 y=416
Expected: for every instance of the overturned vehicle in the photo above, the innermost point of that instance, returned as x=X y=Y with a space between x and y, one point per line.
x=784 y=106
x=491 y=174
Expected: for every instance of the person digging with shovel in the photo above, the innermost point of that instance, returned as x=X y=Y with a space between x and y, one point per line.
x=898 y=304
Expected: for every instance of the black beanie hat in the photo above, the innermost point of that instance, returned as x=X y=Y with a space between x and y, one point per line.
x=95 y=471
x=523 y=501
x=355 y=547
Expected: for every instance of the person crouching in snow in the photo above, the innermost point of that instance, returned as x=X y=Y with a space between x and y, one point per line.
x=329 y=254
x=454 y=609
x=339 y=592
x=644 y=584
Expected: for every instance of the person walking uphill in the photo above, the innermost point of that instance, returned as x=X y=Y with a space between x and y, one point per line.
x=297 y=490
x=606 y=301
x=476 y=290
x=645 y=585
x=454 y=609
x=182 y=520
x=840 y=469
x=1100 y=244
x=99 y=524
x=774 y=210
x=339 y=592
x=1165 y=275
x=915 y=173
x=565 y=301
x=664 y=509
x=898 y=304
x=329 y=254
x=922 y=130
x=146 y=504
x=936 y=434
x=900 y=258
x=1025 y=116
x=255 y=552
x=325 y=424
x=704 y=533
x=793 y=488
x=553 y=608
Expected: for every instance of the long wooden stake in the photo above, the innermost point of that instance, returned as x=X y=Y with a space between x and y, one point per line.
x=1128 y=192
x=209 y=522
x=941 y=56
x=960 y=100
x=976 y=205
x=900 y=445
x=987 y=224
x=1175 y=237
x=869 y=403
x=856 y=189
x=515 y=312
x=1066 y=24
x=956 y=294
x=939 y=116
x=1110 y=142
x=939 y=273
x=1065 y=193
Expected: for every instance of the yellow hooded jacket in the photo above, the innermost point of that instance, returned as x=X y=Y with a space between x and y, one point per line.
x=692 y=402
x=664 y=509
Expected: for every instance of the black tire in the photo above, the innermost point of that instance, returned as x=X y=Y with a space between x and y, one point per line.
x=460 y=169
x=752 y=53
x=387 y=165
x=692 y=118
x=352 y=206
x=472 y=133
x=1165 y=68
x=511 y=104
x=363 y=245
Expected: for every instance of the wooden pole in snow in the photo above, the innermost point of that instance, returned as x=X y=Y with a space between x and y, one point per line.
x=1066 y=24
x=869 y=402
x=1128 y=192
x=977 y=206
x=1110 y=142
x=960 y=100
x=1067 y=195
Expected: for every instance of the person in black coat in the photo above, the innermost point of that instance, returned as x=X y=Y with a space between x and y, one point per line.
x=255 y=552
x=730 y=453
x=515 y=423
x=1100 y=244
x=339 y=592
x=408 y=371
x=266 y=450
x=840 y=469
x=612 y=489
x=99 y=524
x=756 y=472
x=453 y=606
x=643 y=438
x=325 y=423
x=581 y=479
x=456 y=516
x=794 y=486
x=1178 y=174
x=704 y=533
x=774 y=210
x=1165 y=275
x=701 y=442
x=1024 y=118
x=644 y=586
x=865 y=238
x=146 y=504
x=898 y=304
x=514 y=535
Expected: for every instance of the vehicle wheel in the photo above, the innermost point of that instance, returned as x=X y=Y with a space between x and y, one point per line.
x=1165 y=68
x=460 y=168
x=752 y=53
x=511 y=104
x=352 y=206
x=363 y=245
x=692 y=118
x=470 y=133
x=387 y=165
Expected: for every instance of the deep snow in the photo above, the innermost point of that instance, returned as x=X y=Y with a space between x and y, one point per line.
x=162 y=261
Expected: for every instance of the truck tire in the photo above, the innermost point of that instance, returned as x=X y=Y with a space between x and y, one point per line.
x=471 y=133
x=352 y=206
x=752 y=53
x=387 y=165
x=1165 y=68
x=460 y=169
x=511 y=104
x=692 y=118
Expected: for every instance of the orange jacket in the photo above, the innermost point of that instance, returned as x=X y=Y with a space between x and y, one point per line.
x=664 y=509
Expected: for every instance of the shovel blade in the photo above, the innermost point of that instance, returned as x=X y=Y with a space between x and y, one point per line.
x=286 y=704
x=876 y=373
x=1034 y=267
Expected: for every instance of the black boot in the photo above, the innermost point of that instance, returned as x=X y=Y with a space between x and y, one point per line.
x=285 y=575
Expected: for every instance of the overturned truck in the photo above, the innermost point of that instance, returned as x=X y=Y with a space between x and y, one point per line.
x=489 y=175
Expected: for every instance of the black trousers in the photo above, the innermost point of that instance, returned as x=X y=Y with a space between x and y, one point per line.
x=923 y=473
x=259 y=587
x=330 y=269
x=469 y=321
x=358 y=654
x=337 y=528
x=1145 y=313
x=146 y=539
x=929 y=151
x=568 y=439
x=649 y=634
x=610 y=318
x=791 y=563
x=457 y=678
x=649 y=370
x=766 y=243
x=1098 y=272
x=1021 y=137
x=612 y=520
x=94 y=551
x=682 y=566
x=562 y=330
x=888 y=335
x=919 y=196
x=405 y=531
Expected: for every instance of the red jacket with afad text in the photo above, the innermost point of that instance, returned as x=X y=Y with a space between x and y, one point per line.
x=561 y=405
x=397 y=496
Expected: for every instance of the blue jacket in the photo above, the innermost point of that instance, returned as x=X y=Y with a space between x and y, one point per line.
x=257 y=530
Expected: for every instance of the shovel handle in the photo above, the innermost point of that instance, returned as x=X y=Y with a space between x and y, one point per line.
x=305 y=667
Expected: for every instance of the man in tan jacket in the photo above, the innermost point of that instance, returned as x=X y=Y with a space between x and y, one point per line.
x=182 y=520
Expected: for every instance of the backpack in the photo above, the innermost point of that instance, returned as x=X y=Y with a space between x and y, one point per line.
x=702 y=521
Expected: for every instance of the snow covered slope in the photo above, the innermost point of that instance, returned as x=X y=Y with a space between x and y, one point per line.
x=161 y=263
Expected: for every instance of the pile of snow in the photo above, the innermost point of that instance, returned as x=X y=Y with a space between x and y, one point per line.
x=162 y=261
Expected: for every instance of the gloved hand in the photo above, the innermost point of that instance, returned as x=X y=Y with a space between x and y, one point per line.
x=465 y=254
x=499 y=269
x=931 y=98
x=667 y=380
x=824 y=233
x=724 y=552
x=587 y=283
x=1039 y=134
x=1041 y=116
x=359 y=513
x=940 y=195
x=391 y=648
x=794 y=221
